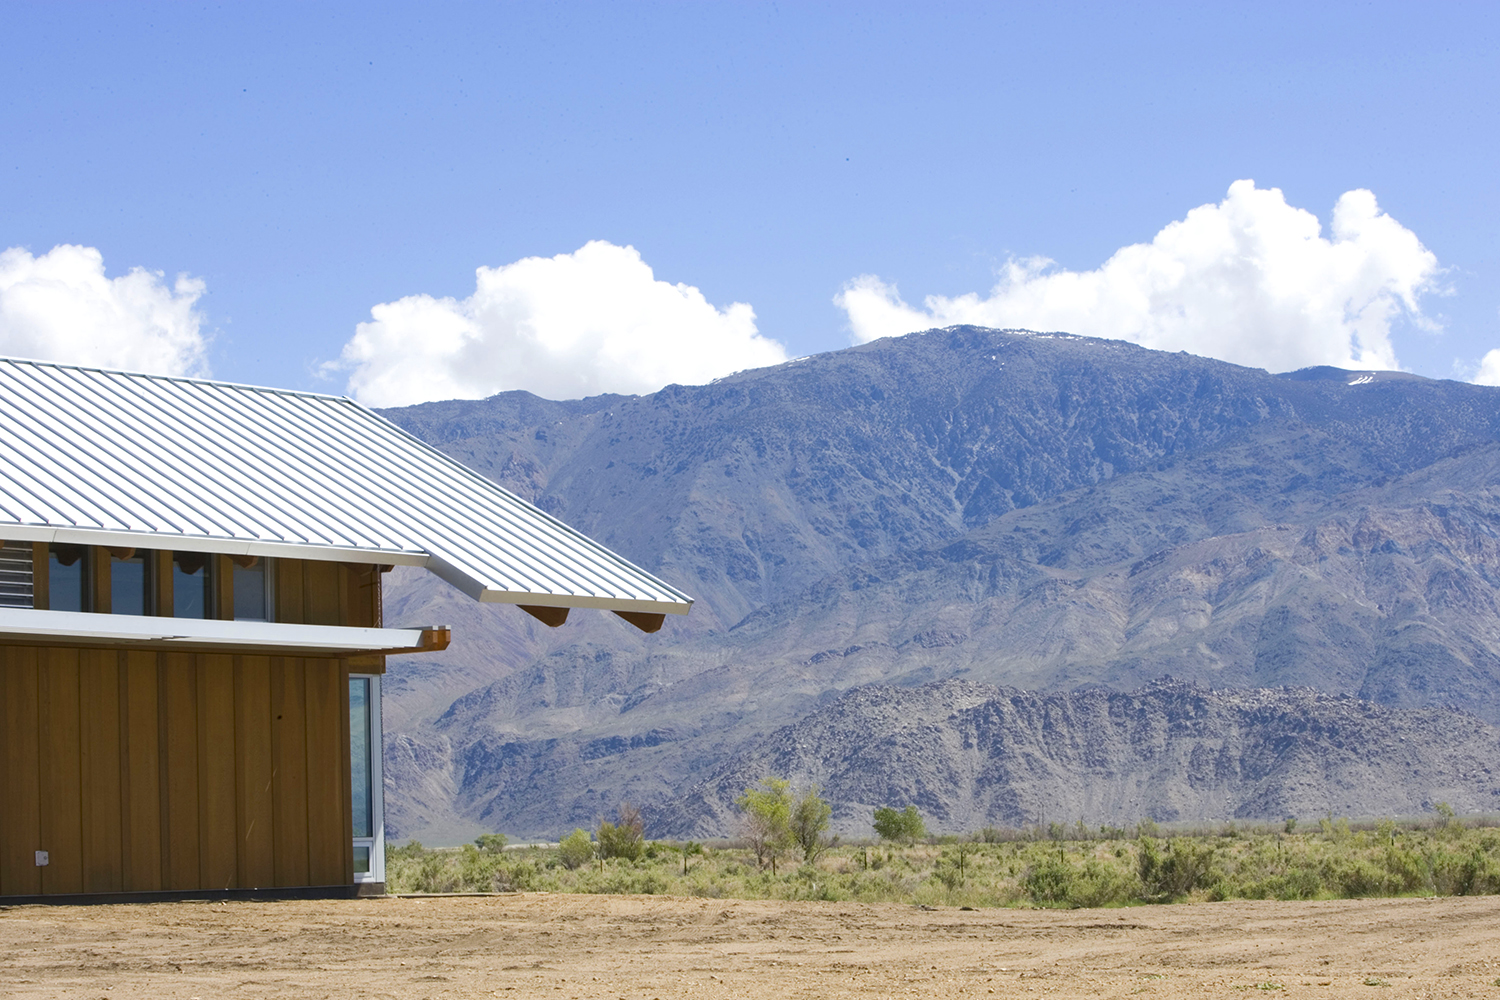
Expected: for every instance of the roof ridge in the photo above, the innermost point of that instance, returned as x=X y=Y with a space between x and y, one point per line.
x=189 y=379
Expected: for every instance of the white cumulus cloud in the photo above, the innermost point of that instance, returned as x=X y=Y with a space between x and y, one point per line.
x=1489 y=369
x=61 y=306
x=1250 y=280
x=578 y=324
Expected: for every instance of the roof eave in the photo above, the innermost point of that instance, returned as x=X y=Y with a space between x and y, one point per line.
x=480 y=591
x=223 y=546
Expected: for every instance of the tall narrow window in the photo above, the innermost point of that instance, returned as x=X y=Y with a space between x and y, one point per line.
x=362 y=770
x=15 y=575
x=67 y=578
x=129 y=582
x=192 y=595
x=252 y=589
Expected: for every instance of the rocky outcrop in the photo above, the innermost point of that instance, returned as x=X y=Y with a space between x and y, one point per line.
x=973 y=755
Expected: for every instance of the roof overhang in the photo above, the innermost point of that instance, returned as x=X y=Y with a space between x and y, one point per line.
x=30 y=627
x=479 y=591
x=467 y=583
x=207 y=543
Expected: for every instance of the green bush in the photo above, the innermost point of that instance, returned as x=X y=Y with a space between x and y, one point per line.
x=1050 y=881
x=1010 y=868
x=766 y=808
x=1464 y=873
x=494 y=843
x=904 y=826
x=575 y=850
x=1175 y=872
x=1102 y=884
x=808 y=824
x=623 y=838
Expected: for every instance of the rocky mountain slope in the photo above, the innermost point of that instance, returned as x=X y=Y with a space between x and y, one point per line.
x=1037 y=511
x=972 y=755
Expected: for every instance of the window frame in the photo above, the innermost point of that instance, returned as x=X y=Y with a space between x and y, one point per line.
x=375 y=843
x=210 y=584
x=149 y=563
x=268 y=575
x=89 y=587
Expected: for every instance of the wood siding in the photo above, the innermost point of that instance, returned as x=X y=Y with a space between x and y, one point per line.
x=140 y=770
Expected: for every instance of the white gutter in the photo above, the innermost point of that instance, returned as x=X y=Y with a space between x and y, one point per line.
x=22 y=624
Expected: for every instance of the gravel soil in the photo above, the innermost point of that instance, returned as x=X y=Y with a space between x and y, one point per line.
x=539 y=945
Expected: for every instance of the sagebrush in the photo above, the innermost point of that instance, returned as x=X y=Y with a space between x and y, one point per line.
x=1045 y=869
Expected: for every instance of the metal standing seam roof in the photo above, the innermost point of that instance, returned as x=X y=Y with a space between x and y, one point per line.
x=104 y=457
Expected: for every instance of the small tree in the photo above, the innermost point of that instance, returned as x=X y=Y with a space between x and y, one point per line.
x=767 y=810
x=624 y=838
x=576 y=849
x=905 y=825
x=809 y=824
x=490 y=843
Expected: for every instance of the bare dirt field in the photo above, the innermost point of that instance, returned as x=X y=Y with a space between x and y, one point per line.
x=537 y=945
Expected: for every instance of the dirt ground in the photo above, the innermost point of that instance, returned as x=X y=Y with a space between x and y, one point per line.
x=538 y=945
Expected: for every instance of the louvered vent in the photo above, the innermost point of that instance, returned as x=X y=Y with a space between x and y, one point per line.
x=15 y=575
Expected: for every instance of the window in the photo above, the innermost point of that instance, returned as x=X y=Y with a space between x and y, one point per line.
x=192 y=585
x=252 y=589
x=130 y=582
x=68 y=578
x=15 y=575
x=364 y=760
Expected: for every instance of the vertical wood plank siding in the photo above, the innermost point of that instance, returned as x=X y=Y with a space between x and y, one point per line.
x=61 y=752
x=20 y=778
x=140 y=770
x=140 y=774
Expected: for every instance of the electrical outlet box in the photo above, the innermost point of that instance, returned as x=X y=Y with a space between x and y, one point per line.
x=42 y=860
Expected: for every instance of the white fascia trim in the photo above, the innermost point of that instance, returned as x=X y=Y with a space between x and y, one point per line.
x=223 y=546
x=579 y=601
x=477 y=589
x=90 y=627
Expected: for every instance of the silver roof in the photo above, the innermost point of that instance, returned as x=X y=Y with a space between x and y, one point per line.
x=116 y=458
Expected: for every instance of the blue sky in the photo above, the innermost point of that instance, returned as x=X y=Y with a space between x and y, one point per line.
x=307 y=163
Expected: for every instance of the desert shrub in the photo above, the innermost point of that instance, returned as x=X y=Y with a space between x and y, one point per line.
x=436 y=873
x=575 y=850
x=1053 y=880
x=1447 y=821
x=949 y=873
x=1100 y=883
x=1406 y=868
x=953 y=865
x=472 y=870
x=1352 y=877
x=1464 y=872
x=1049 y=881
x=1295 y=883
x=1174 y=872
x=623 y=838
x=1390 y=858
x=623 y=880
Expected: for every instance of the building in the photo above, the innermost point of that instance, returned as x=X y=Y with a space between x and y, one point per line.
x=191 y=635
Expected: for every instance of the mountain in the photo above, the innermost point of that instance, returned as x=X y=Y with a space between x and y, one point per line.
x=974 y=755
x=1036 y=511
